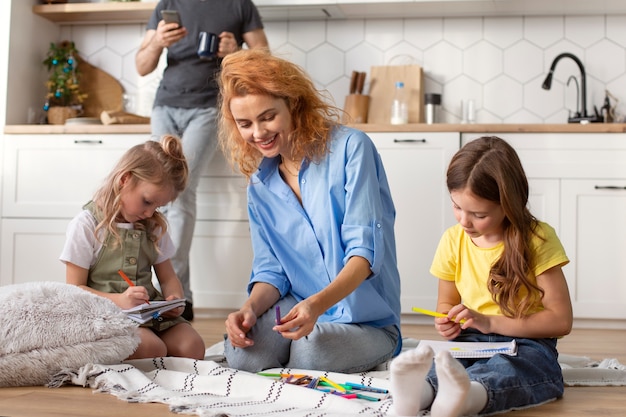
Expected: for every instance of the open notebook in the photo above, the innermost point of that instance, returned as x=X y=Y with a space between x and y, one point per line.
x=144 y=312
x=472 y=349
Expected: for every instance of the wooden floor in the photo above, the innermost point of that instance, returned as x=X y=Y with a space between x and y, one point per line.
x=578 y=401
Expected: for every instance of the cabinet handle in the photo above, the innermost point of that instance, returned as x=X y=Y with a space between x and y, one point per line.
x=88 y=142
x=409 y=141
x=609 y=187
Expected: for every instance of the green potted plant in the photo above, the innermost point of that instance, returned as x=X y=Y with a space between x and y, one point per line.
x=63 y=98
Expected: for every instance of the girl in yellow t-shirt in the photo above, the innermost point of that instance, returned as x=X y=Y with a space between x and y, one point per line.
x=500 y=279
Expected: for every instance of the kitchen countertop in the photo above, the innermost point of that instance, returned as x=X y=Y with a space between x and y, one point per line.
x=414 y=127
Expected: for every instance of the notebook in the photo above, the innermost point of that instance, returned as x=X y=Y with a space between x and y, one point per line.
x=145 y=312
x=472 y=349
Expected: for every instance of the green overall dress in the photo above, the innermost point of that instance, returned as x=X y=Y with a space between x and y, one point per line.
x=135 y=256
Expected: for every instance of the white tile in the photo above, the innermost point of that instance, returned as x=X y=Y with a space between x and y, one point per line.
x=325 y=64
x=345 y=34
x=307 y=35
x=107 y=61
x=363 y=57
x=423 y=33
x=462 y=32
x=544 y=102
x=616 y=27
x=544 y=31
x=522 y=116
x=123 y=38
x=443 y=61
x=503 y=31
x=458 y=89
x=403 y=54
x=378 y=33
x=89 y=39
x=130 y=77
x=502 y=96
x=276 y=33
x=292 y=54
x=523 y=61
x=605 y=60
x=482 y=61
x=584 y=30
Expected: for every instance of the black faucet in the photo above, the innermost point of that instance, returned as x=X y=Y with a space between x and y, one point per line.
x=547 y=83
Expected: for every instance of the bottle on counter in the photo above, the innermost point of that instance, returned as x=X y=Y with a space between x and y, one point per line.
x=399 y=105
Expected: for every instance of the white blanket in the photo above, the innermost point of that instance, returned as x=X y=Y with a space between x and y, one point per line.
x=209 y=388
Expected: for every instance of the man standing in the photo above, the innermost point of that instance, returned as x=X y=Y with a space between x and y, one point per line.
x=186 y=100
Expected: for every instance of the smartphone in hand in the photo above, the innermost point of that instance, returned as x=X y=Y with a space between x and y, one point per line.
x=171 y=16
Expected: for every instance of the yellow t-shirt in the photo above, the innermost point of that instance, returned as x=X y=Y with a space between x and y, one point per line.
x=458 y=259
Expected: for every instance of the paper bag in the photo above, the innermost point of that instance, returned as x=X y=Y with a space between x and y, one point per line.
x=383 y=85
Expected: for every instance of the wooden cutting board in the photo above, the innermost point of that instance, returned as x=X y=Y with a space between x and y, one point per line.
x=104 y=92
x=382 y=88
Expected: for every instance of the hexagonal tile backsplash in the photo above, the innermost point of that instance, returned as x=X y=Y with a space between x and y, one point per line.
x=499 y=62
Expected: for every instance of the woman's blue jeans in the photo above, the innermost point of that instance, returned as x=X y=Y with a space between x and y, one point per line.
x=333 y=347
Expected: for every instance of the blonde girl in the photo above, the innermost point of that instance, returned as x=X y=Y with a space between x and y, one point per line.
x=121 y=229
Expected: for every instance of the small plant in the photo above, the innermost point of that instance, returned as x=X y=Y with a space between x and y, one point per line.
x=63 y=82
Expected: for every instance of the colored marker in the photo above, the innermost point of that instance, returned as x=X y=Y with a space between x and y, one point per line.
x=366 y=397
x=361 y=387
x=128 y=281
x=333 y=384
x=277 y=314
x=432 y=313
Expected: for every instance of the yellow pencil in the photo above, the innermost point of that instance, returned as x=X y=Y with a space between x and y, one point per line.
x=432 y=313
x=333 y=384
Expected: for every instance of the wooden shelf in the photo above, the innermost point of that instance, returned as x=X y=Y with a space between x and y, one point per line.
x=110 y=12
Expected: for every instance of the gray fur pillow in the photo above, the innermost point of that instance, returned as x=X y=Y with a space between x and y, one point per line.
x=49 y=326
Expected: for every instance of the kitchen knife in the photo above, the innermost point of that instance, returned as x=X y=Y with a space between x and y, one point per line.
x=360 y=82
x=353 y=80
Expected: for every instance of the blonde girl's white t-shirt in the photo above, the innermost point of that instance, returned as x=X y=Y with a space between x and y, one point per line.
x=458 y=259
x=82 y=247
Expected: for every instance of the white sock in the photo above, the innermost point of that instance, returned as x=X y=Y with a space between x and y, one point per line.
x=454 y=385
x=407 y=377
x=476 y=399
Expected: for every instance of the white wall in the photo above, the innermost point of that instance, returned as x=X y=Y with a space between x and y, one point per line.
x=500 y=62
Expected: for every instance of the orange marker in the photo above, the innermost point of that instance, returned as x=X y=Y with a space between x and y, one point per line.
x=123 y=275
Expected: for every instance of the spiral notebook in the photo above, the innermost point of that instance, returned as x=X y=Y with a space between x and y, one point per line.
x=472 y=349
x=145 y=312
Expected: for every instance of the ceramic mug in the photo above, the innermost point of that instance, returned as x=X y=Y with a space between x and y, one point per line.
x=208 y=45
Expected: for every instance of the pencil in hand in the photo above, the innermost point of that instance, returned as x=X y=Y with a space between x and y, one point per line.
x=128 y=281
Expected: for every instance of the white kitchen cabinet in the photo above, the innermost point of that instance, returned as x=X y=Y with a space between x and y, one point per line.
x=46 y=179
x=416 y=165
x=30 y=249
x=221 y=262
x=53 y=176
x=581 y=179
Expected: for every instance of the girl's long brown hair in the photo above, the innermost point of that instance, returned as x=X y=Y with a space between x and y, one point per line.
x=161 y=163
x=490 y=168
x=256 y=71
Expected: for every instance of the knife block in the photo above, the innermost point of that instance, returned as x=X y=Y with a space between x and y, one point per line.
x=356 y=108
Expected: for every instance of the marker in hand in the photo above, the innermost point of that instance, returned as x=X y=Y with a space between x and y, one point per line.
x=277 y=314
x=433 y=313
x=278 y=321
x=128 y=281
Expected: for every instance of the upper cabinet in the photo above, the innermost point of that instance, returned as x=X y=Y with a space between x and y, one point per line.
x=278 y=10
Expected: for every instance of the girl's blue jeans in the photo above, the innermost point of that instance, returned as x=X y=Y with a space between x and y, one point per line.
x=532 y=377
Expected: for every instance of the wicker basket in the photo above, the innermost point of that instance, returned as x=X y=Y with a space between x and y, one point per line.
x=57 y=115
